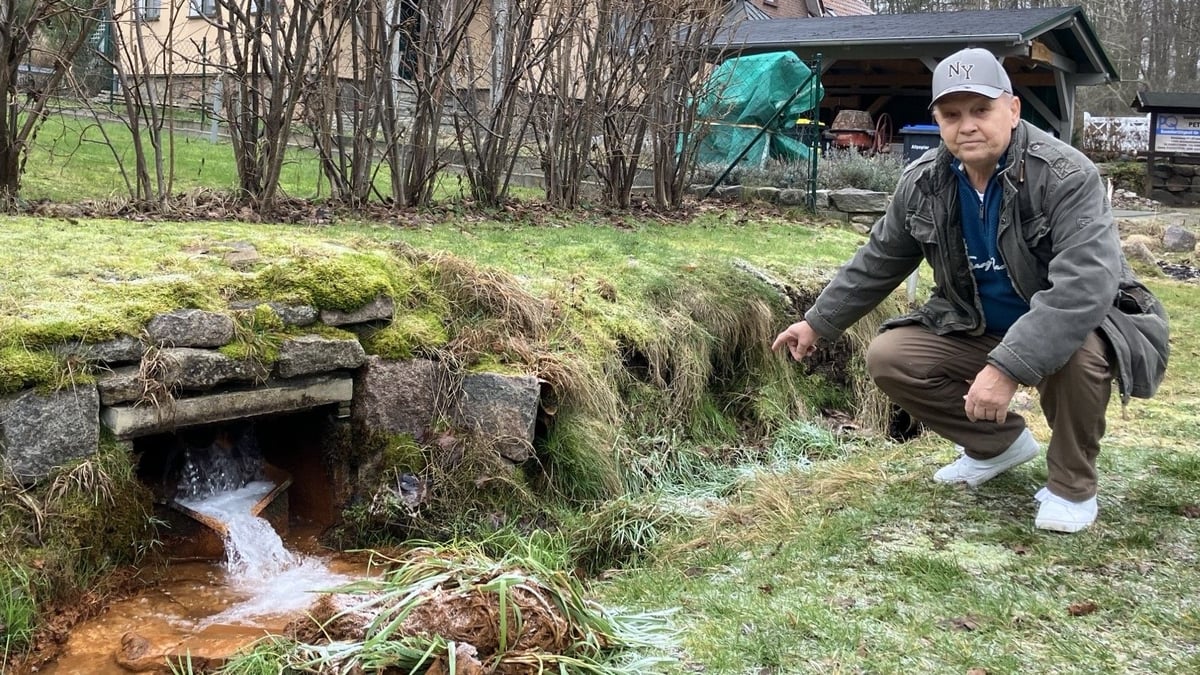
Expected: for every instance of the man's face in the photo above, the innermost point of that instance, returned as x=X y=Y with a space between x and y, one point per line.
x=975 y=128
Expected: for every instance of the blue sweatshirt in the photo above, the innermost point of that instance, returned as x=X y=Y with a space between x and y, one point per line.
x=1002 y=306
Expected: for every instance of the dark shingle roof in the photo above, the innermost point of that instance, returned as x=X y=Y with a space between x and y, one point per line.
x=1162 y=101
x=1000 y=25
x=1006 y=32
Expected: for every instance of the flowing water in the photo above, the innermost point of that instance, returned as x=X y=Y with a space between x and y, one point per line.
x=206 y=610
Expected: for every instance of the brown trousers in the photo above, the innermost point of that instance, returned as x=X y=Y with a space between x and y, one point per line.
x=928 y=375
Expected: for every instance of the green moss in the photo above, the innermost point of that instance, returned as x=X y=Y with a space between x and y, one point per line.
x=325 y=331
x=408 y=335
x=343 y=282
x=22 y=368
x=403 y=454
x=263 y=318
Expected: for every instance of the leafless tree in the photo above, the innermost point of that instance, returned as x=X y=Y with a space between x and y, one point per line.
x=567 y=111
x=492 y=134
x=651 y=67
x=264 y=55
x=32 y=32
x=682 y=38
x=146 y=113
x=432 y=35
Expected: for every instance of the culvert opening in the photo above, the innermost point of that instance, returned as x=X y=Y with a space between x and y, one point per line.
x=289 y=452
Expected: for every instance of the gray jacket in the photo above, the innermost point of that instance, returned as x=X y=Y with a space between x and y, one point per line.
x=1060 y=245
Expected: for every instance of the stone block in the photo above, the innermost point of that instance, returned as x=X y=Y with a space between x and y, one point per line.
x=131 y=421
x=317 y=354
x=1177 y=238
x=39 y=432
x=398 y=397
x=793 y=197
x=854 y=200
x=191 y=328
x=379 y=309
x=120 y=385
x=766 y=194
x=125 y=349
x=291 y=315
x=501 y=408
x=199 y=369
x=729 y=192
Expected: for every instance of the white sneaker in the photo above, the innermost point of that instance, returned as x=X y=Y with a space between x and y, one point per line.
x=975 y=472
x=1062 y=515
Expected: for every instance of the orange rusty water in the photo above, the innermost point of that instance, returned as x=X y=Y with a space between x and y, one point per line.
x=174 y=617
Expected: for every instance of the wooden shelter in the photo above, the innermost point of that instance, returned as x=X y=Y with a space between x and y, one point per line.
x=884 y=63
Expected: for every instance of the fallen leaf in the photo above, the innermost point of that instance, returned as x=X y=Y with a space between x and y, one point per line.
x=766 y=589
x=1081 y=608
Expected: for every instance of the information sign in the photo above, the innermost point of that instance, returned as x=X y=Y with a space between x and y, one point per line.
x=1177 y=133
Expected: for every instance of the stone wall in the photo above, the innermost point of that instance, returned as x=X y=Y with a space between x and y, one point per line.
x=860 y=208
x=175 y=376
x=1175 y=183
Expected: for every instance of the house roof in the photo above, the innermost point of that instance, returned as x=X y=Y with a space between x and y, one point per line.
x=1004 y=31
x=1163 y=101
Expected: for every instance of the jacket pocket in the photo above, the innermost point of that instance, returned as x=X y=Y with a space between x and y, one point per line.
x=920 y=226
x=1034 y=232
x=1140 y=336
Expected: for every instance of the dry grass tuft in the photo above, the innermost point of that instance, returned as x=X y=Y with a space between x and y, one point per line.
x=477 y=292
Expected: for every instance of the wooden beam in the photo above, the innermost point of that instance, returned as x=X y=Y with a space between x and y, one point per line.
x=1030 y=99
x=1040 y=52
x=878 y=105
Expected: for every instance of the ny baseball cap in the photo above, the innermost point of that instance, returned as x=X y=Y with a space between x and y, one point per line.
x=975 y=70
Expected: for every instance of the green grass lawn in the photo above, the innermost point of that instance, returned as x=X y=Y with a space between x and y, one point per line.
x=864 y=565
x=75 y=158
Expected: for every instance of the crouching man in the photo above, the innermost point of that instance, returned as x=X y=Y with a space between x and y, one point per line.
x=1031 y=288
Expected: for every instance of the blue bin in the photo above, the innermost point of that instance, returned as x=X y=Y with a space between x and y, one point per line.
x=917 y=139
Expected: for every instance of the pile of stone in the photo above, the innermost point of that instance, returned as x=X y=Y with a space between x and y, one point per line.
x=1132 y=201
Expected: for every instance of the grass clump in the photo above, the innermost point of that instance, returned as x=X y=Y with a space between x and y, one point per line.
x=624 y=532
x=257 y=334
x=18 y=611
x=63 y=537
x=456 y=609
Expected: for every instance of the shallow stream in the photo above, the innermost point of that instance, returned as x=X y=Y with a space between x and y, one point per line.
x=207 y=611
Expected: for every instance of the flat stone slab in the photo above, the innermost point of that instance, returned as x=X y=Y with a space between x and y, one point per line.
x=128 y=421
x=191 y=328
x=308 y=354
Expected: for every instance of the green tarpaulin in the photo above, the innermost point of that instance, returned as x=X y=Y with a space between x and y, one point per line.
x=743 y=95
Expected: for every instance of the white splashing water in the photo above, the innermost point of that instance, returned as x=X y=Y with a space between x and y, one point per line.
x=275 y=580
